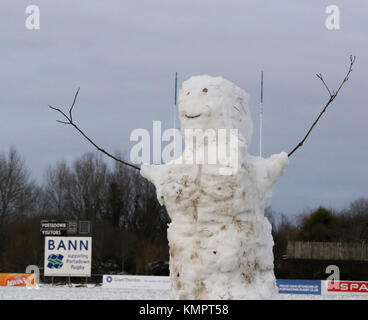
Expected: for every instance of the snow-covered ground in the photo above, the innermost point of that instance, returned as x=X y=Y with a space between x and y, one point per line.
x=91 y=292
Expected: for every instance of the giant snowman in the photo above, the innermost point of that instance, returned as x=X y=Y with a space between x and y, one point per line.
x=220 y=242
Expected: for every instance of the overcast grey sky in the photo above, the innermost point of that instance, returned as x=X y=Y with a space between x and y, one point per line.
x=123 y=55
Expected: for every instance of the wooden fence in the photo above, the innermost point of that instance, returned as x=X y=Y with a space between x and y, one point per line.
x=327 y=251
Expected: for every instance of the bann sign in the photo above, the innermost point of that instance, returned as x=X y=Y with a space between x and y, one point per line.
x=68 y=256
x=347 y=286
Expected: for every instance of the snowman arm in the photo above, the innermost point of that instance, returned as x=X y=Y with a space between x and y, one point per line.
x=276 y=165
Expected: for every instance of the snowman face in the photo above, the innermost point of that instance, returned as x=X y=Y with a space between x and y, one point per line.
x=207 y=102
x=199 y=106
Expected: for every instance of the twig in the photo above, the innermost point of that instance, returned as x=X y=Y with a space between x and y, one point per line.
x=332 y=97
x=70 y=122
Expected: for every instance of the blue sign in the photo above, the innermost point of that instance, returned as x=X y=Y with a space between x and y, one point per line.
x=299 y=286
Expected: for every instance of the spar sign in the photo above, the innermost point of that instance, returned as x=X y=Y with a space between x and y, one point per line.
x=338 y=287
x=68 y=256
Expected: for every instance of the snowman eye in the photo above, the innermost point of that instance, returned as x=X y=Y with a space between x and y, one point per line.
x=205 y=90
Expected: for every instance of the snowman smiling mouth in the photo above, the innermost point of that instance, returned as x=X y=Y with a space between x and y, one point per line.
x=193 y=117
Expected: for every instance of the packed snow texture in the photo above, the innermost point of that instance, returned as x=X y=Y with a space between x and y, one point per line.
x=220 y=241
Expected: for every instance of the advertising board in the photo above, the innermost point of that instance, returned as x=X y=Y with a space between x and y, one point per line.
x=349 y=287
x=68 y=256
x=17 y=279
x=299 y=286
x=136 y=282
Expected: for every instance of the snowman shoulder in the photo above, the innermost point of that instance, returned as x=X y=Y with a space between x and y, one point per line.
x=267 y=170
x=152 y=173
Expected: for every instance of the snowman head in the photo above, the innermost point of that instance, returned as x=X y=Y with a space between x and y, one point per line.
x=207 y=102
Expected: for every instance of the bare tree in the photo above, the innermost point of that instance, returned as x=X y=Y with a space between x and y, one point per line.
x=354 y=222
x=58 y=184
x=88 y=187
x=18 y=195
x=78 y=191
x=122 y=190
x=359 y=207
x=17 y=191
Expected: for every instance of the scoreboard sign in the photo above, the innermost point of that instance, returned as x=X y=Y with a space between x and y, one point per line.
x=65 y=228
x=51 y=228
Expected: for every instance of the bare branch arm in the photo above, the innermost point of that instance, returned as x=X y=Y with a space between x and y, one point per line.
x=70 y=122
x=333 y=95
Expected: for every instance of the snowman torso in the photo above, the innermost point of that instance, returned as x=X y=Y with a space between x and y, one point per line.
x=216 y=233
